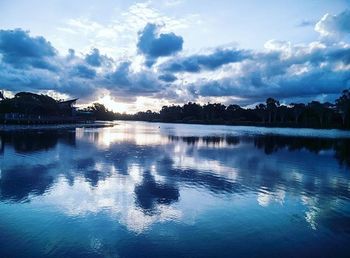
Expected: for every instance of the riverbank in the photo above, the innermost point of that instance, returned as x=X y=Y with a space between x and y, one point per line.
x=98 y=124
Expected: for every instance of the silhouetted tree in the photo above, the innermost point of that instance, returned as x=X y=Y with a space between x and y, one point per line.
x=271 y=107
x=192 y=111
x=313 y=114
x=343 y=106
x=214 y=112
x=100 y=112
x=172 y=113
x=147 y=116
x=318 y=110
x=261 y=111
x=234 y=112
x=297 y=110
x=283 y=111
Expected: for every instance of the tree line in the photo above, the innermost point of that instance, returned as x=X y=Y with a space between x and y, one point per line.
x=271 y=113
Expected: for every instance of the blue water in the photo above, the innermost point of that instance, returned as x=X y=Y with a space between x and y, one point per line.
x=170 y=190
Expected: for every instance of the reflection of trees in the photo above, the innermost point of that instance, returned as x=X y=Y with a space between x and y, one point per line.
x=232 y=140
x=212 y=140
x=208 y=140
x=273 y=143
x=255 y=171
x=342 y=152
x=20 y=181
x=190 y=139
x=37 y=140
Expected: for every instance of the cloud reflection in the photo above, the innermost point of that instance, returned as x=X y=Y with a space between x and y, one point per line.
x=137 y=173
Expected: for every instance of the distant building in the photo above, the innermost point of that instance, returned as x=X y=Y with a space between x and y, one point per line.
x=67 y=107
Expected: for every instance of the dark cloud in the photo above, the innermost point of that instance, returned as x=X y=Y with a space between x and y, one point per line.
x=257 y=83
x=282 y=70
x=36 y=80
x=31 y=64
x=129 y=83
x=167 y=77
x=71 y=54
x=196 y=63
x=83 y=71
x=94 y=58
x=19 y=49
x=153 y=45
x=339 y=55
x=120 y=76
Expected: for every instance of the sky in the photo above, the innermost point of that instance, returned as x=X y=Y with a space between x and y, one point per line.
x=134 y=56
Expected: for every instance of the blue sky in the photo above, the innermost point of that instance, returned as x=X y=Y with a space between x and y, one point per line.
x=141 y=55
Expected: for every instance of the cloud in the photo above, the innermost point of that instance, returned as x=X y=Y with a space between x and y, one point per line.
x=19 y=49
x=94 y=58
x=124 y=81
x=285 y=71
x=71 y=54
x=256 y=87
x=167 y=77
x=30 y=63
x=212 y=61
x=73 y=75
x=39 y=80
x=120 y=76
x=154 y=45
x=122 y=30
x=306 y=23
x=83 y=71
x=282 y=70
x=334 y=25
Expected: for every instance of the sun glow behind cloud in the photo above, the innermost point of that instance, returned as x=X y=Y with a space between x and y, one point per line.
x=113 y=105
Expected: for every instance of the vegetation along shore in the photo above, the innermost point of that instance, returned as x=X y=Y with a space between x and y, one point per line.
x=31 y=108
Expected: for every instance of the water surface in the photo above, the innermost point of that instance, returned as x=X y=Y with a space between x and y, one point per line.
x=169 y=190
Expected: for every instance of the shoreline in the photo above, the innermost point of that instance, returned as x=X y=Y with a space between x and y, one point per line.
x=21 y=127
x=103 y=124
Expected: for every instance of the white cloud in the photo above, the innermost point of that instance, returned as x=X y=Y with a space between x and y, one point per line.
x=334 y=25
x=118 y=37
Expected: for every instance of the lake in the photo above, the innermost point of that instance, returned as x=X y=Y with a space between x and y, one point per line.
x=142 y=189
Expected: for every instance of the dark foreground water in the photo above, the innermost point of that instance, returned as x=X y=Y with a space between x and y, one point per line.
x=167 y=190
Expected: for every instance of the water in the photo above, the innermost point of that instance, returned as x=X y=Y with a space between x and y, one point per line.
x=169 y=190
